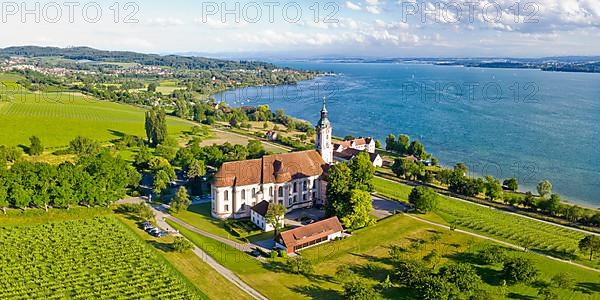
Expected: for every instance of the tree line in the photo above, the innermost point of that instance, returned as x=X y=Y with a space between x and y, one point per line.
x=96 y=179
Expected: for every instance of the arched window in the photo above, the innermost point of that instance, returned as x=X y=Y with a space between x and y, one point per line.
x=280 y=192
x=253 y=192
x=306 y=185
x=295 y=187
x=243 y=194
x=226 y=195
x=271 y=191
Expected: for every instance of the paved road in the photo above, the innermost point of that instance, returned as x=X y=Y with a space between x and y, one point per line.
x=165 y=215
x=161 y=215
x=502 y=242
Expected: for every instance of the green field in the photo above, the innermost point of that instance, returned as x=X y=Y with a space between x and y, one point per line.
x=535 y=235
x=97 y=258
x=57 y=118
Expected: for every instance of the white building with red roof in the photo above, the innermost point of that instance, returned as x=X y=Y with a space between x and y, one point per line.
x=294 y=179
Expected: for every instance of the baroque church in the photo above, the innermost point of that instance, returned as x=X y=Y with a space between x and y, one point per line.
x=295 y=180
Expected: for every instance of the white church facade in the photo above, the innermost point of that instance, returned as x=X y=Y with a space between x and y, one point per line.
x=295 y=180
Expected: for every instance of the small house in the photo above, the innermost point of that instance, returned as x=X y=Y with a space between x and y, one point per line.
x=306 y=236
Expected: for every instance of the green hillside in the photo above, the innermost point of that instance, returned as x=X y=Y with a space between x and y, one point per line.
x=59 y=117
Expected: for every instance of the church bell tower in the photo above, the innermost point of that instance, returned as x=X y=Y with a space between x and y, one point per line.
x=323 y=140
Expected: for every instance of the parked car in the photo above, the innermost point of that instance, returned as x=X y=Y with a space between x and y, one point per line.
x=153 y=230
x=160 y=234
x=146 y=225
x=307 y=222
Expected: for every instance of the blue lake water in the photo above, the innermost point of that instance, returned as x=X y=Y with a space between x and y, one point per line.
x=529 y=124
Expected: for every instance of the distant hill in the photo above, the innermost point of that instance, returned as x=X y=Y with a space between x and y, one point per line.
x=175 y=61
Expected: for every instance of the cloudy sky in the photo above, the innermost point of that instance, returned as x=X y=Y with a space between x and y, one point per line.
x=375 y=28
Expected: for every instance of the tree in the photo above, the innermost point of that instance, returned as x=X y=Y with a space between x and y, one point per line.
x=529 y=200
x=463 y=276
x=433 y=287
x=493 y=188
x=544 y=188
x=359 y=289
x=299 y=265
x=511 y=184
x=552 y=205
x=547 y=292
x=152 y=87
x=196 y=169
x=423 y=198
x=417 y=149
x=83 y=146
x=160 y=182
x=410 y=272
x=275 y=215
x=403 y=144
x=181 y=200
x=390 y=142
x=35 y=147
x=255 y=149
x=180 y=244
x=492 y=255
x=563 y=280
x=462 y=167
x=362 y=172
x=338 y=190
x=519 y=270
x=590 y=244
x=143 y=157
x=156 y=126
x=144 y=212
x=360 y=206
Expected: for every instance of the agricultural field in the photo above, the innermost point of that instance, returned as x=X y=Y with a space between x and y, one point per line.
x=535 y=235
x=98 y=258
x=57 y=118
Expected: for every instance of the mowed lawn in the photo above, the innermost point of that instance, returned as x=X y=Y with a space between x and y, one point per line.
x=57 y=118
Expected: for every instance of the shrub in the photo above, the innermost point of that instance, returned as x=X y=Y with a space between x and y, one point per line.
x=299 y=265
x=492 y=255
x=180 y=244
x=273 y=254
x=519 y=270
x=283 y=253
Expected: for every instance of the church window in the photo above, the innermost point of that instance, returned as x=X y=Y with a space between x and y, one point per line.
x=243 y=195
x=253 y=192
x=280 y=192
x=226 y=196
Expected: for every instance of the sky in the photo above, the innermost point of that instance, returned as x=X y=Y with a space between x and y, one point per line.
x=296 y=29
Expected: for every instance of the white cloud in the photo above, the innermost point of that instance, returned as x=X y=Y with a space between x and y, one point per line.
x=218 y=24
x=352 y=6
x=372 y=2
x=163 y=22
x=373 y=9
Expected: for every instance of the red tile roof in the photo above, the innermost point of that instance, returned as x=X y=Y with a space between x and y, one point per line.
x=308 y=233
x=270 y=169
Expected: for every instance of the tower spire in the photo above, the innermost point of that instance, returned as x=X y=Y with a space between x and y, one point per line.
x=324 y=102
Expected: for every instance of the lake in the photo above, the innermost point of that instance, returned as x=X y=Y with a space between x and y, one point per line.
x=529 y=124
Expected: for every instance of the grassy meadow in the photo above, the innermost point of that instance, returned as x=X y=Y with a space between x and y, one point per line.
x=366 y=253
x=57 y=118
